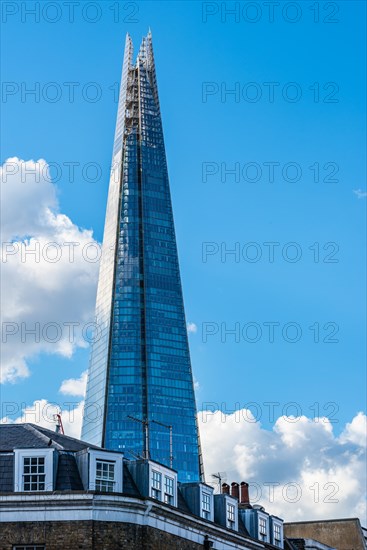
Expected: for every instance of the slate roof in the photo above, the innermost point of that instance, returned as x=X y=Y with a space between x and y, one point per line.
x=242 y=528
x=181 y=502
x=6 y=472
x=30 y=436
x=129 y=485
x=68 y=477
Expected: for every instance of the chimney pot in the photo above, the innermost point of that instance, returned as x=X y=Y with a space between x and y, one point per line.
x=225 y=488
x=235 y=490
x=244 y=493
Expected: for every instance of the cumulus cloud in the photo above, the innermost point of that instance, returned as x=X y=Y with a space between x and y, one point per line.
x=298 y=470
x=42 y=412
x=191 y=328
x=75 y=386
x=49 y=271
x=355 y=431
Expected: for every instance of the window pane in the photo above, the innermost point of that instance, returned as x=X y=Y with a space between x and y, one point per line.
x=231 y=513
x=156 y=480
x=168 y=485
x=34 y=473
x=105 y=476
x=206 y=502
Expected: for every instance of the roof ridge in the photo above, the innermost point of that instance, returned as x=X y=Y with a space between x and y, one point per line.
x=34 y=428
x=68 y=436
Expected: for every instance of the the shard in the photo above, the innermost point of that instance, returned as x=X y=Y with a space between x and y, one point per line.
x=140 y=394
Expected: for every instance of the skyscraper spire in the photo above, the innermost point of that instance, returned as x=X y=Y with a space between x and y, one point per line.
x=140 y=381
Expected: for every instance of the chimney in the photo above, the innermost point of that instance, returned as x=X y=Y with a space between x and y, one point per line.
x=225 y=488
x=244 y=494
x=235 y=490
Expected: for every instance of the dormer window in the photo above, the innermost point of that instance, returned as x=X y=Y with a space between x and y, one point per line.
x=105 y=471
x=155 y=480
x=33 y=470
x=231 y=517
x=262 y=529
x=105 y=476
x=205 y=505
x=156 y=484
x=168 y=490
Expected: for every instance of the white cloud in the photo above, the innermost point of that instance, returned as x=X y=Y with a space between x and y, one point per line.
x=356 y=431
x=38 y=293
x=360 y=194
x=41 y=412
x=314 y=474
x=191 y=328
x=75 y=386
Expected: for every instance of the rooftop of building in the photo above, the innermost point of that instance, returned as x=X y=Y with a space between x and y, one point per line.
x=28 y=436
x=321 y=521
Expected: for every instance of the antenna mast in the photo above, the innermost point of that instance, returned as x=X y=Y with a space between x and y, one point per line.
x=145 y=423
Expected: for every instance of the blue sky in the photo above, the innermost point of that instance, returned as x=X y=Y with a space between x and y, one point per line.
x=217 y=132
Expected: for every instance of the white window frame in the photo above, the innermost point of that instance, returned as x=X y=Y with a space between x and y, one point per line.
x=105 y=480
x=231 y=515
x=156 y=484
x=206 y=504
x=105 y=456
x=20 y=455
x=263 y=524
x=169 y=489
x=29 y=547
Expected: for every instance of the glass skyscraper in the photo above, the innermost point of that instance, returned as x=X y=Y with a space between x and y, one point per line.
x=140 y=395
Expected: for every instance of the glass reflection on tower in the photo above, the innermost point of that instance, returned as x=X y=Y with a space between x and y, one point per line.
x=140 y=385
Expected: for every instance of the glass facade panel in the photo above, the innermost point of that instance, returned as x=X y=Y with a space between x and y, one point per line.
x=140 y=373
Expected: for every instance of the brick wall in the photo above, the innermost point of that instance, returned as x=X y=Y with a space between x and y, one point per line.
x=90 y=535
x=344 y=534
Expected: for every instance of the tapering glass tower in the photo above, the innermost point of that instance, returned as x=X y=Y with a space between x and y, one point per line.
x=140 y=381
